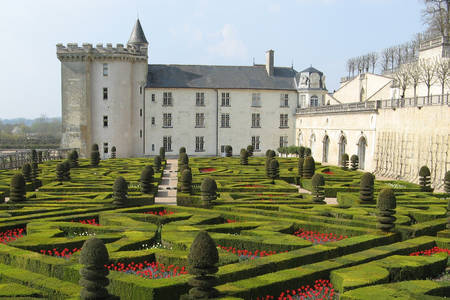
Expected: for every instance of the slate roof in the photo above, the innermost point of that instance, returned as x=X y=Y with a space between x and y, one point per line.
x=137 y=35
x=311 y=70
x=220 y=77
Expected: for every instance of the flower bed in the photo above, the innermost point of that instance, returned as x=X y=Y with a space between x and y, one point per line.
x=11 y=235
x=246 y=255
x=89 y=222
x=328 y=173
x=65 y=253
x=321 y=290
x=318 y=237
x=207 y=170
x=253 y=186
x=148 y=270
x=429 y=252
x=230 y=221
x=159 y=213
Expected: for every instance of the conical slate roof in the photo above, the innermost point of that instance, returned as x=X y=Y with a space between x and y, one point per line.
x=137 y=35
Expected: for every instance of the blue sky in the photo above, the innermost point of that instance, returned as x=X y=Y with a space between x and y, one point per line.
x=322 y=33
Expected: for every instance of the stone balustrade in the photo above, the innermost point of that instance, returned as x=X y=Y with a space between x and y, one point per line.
x=15 y=159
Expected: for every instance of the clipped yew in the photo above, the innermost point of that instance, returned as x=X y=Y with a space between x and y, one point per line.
x=162 y=153
x=113 y=152
x=308 y=152
x=243 y=157
x=250 y=150
x=354 y=162
x=202 y=263
x=318 y=190
x=95 y=156
x=94 y=258
x=228 y=151
x=66 y=173
x=344 y=161
x=183 y=159
x=157 y=163
x=447 y=182
x=120 y=192
x=208 y=190
x=182 y=150
x=274 y=170
x=26 y=172
x=386 y=205
x=425 y=179
x=301 y=152
x=60 y=172
x=40 y=158
x=186 y=181
x=17 y=190
x=73 y=159
x=301 y=161
x=309 y=167
x=366 y=187
x=34 y=156
x=34 y=175
x=147 y=179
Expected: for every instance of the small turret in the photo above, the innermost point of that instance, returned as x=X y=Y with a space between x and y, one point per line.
x=137 y=37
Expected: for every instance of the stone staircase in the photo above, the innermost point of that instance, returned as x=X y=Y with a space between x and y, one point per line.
x=167 y=190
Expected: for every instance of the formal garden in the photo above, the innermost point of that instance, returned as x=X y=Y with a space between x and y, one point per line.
x=241 y=229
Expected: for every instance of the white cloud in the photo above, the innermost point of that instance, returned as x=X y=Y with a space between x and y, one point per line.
x=229 y=44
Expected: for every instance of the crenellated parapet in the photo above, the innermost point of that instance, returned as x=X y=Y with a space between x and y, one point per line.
x=73 y=52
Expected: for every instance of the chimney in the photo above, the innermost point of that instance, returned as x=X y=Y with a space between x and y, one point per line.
x=269 y=62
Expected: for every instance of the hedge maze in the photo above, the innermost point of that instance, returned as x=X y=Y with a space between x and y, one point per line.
x=272 y=241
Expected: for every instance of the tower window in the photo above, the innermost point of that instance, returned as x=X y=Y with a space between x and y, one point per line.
x=256 y=120
x=283 y=121
x=105 y=93
x=314 y=101
x=140 y=112
x=283 y=141
x=255 y=143
x=199 y=120
x=167 y=120
x=153 y=97
x=225 y=121
x=105 y=121
x=105 y=69
x=105 y=148
x=153 y=120
x=140 y=133
x=199 y=144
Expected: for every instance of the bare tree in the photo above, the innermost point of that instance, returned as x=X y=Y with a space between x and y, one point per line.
x=428 y=72
x=413 y=50
x=437 y=15
x=392 y=51
x=366 y=59
x=402 y=79
x=349 y=66
x=385 y=59
x=443 y=72
x=373 y=58
x=359 y=64
x=415 y=76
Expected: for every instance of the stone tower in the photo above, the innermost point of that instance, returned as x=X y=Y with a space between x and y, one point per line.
x=103 y=95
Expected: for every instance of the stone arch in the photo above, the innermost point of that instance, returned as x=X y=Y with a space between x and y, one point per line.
x=312 y=141
x=326 y=147
x=342 y=145
x=300 y=139
x=362 y=145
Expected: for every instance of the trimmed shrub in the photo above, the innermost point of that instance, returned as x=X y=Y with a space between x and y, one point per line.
x=183 y=159
x=318 y=190
x=120 y=191
x=274 y=170
x=147 y=179
x=228 y=151
x=182 y=150
x=186 y=181
x=157 y=163
x=447 y=182
x=95 y=156
x=425 y=179
x=366 y=187
x=250 y=150
x=181 y=168
x=208 y=190
x=301 y=161
x=66 y=173
x=244 y=157
x=17 y=190
x=60 y=172
x=344 y=161
x=308 y=152
x=73 y=159
x=272 y=154
x=94 y=256
x=386 y=210
x=39 y=157
x=202 y=260
x=113 y=152
x=267 y=166
x=34 y=156
x=301 y=152
x=162 y=153
x=34 y=175
x=26 y=172
x=309 y=167
x=354 y=162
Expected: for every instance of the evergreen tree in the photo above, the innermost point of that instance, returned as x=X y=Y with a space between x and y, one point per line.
x=354 y=162
x=120 y=192
x=17 y=189
x=243 y=157
x=35 y=174
x=274 y=170
x=202 y=262
x=447 y=182
x=301 y=152
x=94 y=258
x=157 y=164
x=186 y=181
x=318 y=190
x=26 y=172
x=228 y=151
x=95 y=156
x=307 y=152
x=309 y=167
x=250 y=150
x=39 y=157
x=60 y=172
x=162 y=153
x=34 y=156
x=113 y=152
x=344 y=161
x=73 y=159
x=66 y=173
x=182 y=150
x=366 y=187
x=208 y=190
x=301 y=161
x=147 y=179
x=425 y=179
x=386 y=210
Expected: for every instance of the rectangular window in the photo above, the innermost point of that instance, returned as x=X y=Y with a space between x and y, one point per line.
x=140 y=90
x=167 y=99
x=199 y=144
x=283 y=121
x=153 y=147
x=153 y=97
x=200 y=99
x=167 y=143
x=105 y=148
x=255 y=143
x=140 y=133
x=105 y=69
x=256 y=99
x=225 y=99
x=302 y=100
x=283 y=141
x=256 y=120
x=105 y=121
x=140 y=112
x=167 y=120
x=284 y=100
x=222 y=149
x=105 y=93
x=199 y=120
x=153 y=120
x=225 y=121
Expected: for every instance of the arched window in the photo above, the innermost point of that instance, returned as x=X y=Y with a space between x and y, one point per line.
x=342 y=144
x=312 y=141
x=362 y=144
x=314 y=101
x=326 y=146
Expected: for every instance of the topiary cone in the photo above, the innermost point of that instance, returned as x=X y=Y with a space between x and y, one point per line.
x=354 y=161
x=243 y=157
x=34 y=156
x=147 y=179
x=26 y=172
x=186 y=181
x=309 y=167
x=34 y=175
x=228 y=151
x=120 y=191
x=95 y=156
x=202 y=260
x=73 y=159
x=447 y=182
x=250 y=150
x=318 y=183
x=162 y=153
x=60 y=172
x=344 y=161
x=425 y=179
x=366 y=187
x=17 y=188
x=157 y=163
x=208 y=189
x=307 y=152
x=386 y=205
x=66 y=173
x=113 y=152
x=182 y=150
x=274 y=170
x=94 y=256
